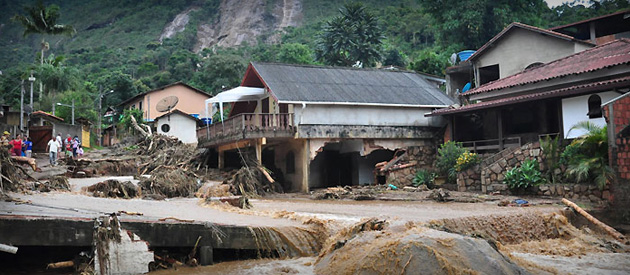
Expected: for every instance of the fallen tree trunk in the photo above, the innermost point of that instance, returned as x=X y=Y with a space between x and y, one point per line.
x=60 y=264
x=29 y=161
x=611 y=231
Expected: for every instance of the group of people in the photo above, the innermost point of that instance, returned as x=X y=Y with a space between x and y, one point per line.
x=71 y=146
x=20 y=146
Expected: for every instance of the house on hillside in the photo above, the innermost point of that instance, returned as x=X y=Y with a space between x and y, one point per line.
x=516 y=48
x=159 y=101
x=545 y=100
x=178 y=124
x=326 y=126
x=599 y=30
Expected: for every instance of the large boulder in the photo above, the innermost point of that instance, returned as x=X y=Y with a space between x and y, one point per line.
x=414 y=251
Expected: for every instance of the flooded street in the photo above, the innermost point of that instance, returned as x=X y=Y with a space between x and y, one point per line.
x=293 y=234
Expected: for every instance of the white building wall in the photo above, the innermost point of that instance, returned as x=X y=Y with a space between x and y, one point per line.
x=182 y=127
x=520 y=48
x=575 y=109
x=364 y=115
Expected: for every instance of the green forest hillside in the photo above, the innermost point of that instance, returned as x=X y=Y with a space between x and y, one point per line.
x=117 y=42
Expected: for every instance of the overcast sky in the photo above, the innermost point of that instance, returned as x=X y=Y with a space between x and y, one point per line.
x=553 y=3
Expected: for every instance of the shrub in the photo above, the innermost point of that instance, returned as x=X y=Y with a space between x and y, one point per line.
x=524 y=176
x=466 y=160
x=587 y=156
x=447 y=157
x=424 y=177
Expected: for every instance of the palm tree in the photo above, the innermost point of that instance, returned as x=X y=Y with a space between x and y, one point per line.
x=590 y=161
x=43 y=20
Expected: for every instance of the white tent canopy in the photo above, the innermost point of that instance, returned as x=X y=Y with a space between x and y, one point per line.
x=237 y=94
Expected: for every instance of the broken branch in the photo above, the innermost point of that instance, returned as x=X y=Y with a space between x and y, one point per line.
x=611 y=231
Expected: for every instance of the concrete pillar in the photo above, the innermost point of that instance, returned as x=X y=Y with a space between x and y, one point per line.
x=259 y=150
x=205 y=255
x=306 y=164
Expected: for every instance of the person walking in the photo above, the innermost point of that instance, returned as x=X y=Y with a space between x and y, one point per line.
x=53 y=147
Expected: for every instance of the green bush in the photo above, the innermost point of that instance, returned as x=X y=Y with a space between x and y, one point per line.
x=446 y=162
x=466 y=160
x=524 y=176
x=424 y=177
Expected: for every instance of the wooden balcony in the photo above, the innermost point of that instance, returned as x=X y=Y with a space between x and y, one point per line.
x=246 y=126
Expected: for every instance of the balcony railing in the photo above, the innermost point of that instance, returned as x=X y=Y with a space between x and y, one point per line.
x=477 y=146
x=247 y=126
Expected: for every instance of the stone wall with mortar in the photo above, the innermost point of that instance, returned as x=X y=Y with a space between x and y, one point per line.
x=581 y=192
x=492 y=174
x=489 y=174
x=424 y=156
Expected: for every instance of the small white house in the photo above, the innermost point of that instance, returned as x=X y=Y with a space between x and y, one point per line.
x=178 y=124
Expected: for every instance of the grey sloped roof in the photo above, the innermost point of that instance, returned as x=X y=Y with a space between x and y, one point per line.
x=301 y=83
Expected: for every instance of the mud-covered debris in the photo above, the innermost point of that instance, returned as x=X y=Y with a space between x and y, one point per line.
x=251 y=181
x=236 y=201
x=114 y=189
x=440 y=195
x=170 y=182
x=348 y=192
x=56 y=183
x=11 y=172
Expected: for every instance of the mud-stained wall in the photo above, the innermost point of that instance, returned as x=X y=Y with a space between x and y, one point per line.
x=294 y=178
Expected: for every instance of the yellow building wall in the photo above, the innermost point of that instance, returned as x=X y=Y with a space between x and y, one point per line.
x=85 y=136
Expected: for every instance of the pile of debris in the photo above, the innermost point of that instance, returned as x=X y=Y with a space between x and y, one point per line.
x=359 y=193
x=114 y=189
x=11 y=173
x=56 y=183
x=169 y=182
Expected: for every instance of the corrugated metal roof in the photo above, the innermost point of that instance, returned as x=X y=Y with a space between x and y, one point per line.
x=303 y=83
x=605 y=56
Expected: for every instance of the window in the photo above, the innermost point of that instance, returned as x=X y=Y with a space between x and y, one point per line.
x=488 y=73
x=594 y=106
x=140 y=105
x=165 y=128
x=290 y=162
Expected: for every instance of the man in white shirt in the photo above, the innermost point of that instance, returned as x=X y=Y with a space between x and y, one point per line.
x=52 y=148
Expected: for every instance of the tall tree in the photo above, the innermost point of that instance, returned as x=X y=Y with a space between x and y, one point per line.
x=471 y=23
x=42 y=19
x=353 y=36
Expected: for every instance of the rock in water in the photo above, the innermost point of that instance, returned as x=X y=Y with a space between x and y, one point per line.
x=415 y=251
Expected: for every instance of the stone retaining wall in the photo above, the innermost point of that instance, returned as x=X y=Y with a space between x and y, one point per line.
x=574 y=191
x=489 y=174
x=423 y=155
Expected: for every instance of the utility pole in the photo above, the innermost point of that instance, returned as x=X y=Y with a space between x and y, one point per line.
x=22 y=107
x=73 y=111
x=31 y=79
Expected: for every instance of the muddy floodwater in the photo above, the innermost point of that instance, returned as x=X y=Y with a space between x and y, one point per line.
x=298 y=235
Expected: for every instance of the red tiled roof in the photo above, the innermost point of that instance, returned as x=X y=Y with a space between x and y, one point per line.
x=604 y=56
x=525 y=27
x=568 y=91
x=42 y=113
